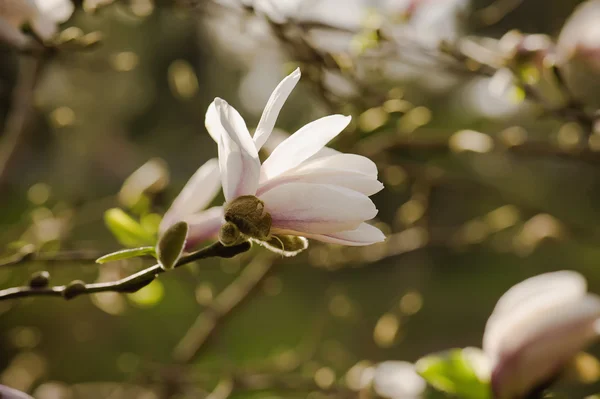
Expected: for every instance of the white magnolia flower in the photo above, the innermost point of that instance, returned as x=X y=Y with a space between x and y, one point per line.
x=299 y=190
x=43 y=16
x=398 y=380
x=190 y=204
x=536 y=327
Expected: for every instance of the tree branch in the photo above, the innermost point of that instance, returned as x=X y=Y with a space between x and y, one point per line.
x=128 y=284
x=22 y=106
x=192 y=342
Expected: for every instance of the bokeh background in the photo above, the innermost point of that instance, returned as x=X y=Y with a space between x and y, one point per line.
x=470 y=207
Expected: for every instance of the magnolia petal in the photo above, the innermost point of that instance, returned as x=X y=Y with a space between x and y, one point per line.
x=534 y=352
x=212 y=122
x=238 y=157
x=532 y=297
x=365 y=234
x=271 y=112
x=57 y=11
x=196 y=195
x=303 y=144
x=204 y=225
x=559 y=285
x=347 y=162
x=351 y=180
x=316 y=208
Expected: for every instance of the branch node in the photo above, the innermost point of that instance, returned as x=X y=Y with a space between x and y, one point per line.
x=73 y=289
x=39 y=279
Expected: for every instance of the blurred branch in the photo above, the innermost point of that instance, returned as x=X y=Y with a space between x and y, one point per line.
x=205 y=325
x=129 y=284
x=385 y=142
x=495 y=12
x=21 y=109
x=25 y=256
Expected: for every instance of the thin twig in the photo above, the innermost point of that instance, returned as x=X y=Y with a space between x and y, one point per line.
x=21 y=109
x=256 y=271
x=76 y=256
x=129 y=284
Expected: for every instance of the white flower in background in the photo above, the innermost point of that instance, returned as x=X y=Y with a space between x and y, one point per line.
x=43 y=16
x=10 y=393
x=398 y=380
x=299 y=191
x=190 y=205
x=536 y=327
x=578 y=52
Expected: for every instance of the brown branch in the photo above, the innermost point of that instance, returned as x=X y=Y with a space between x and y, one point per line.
x=128 y=284
x=205 y=325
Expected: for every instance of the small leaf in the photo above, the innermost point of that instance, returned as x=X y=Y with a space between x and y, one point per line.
x=171 y=244
x=460 y=372
x=127 y=230
x=126 y=254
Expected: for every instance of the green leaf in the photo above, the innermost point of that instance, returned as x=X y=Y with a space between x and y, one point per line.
x=171 y=244
x=126 y=254
x=126 y=230
x=460 y=372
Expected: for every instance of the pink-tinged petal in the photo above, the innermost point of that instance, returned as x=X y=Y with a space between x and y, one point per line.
x=204 y=225
x=317 y=208
x=365 y=234
x=347 y=162
x=273 y=107
x=303 y=144
x=546 y=343
x=196 y=195
x=10 y=393
x=351 y=180
x=212 y=122
x=536 y=295
x=238 y=157
x=545 y=288
x=537 y=326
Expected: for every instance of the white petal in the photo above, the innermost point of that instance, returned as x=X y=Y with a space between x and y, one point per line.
x=398 y=380
x=196 y=195
x=212 y=122
x=536 y=348
x=354 y=181
x=57 y=11
x=303 y=144
x=365 y=234
x=273 y=107
x=528 y=299
x=559 y=285
x=316 y=208
x=347 y=162
x=238 y=158
x=204 y=225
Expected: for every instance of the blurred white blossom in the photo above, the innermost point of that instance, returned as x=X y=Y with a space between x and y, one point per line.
x=43 y=16
x=300 y=187
x=536 y=327
x=190 y=205
x=398 y=380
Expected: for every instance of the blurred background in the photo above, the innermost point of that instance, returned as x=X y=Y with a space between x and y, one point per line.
x=488 y=160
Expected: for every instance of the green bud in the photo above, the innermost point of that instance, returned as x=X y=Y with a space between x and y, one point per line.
x=171 y=245
x=230 y=235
